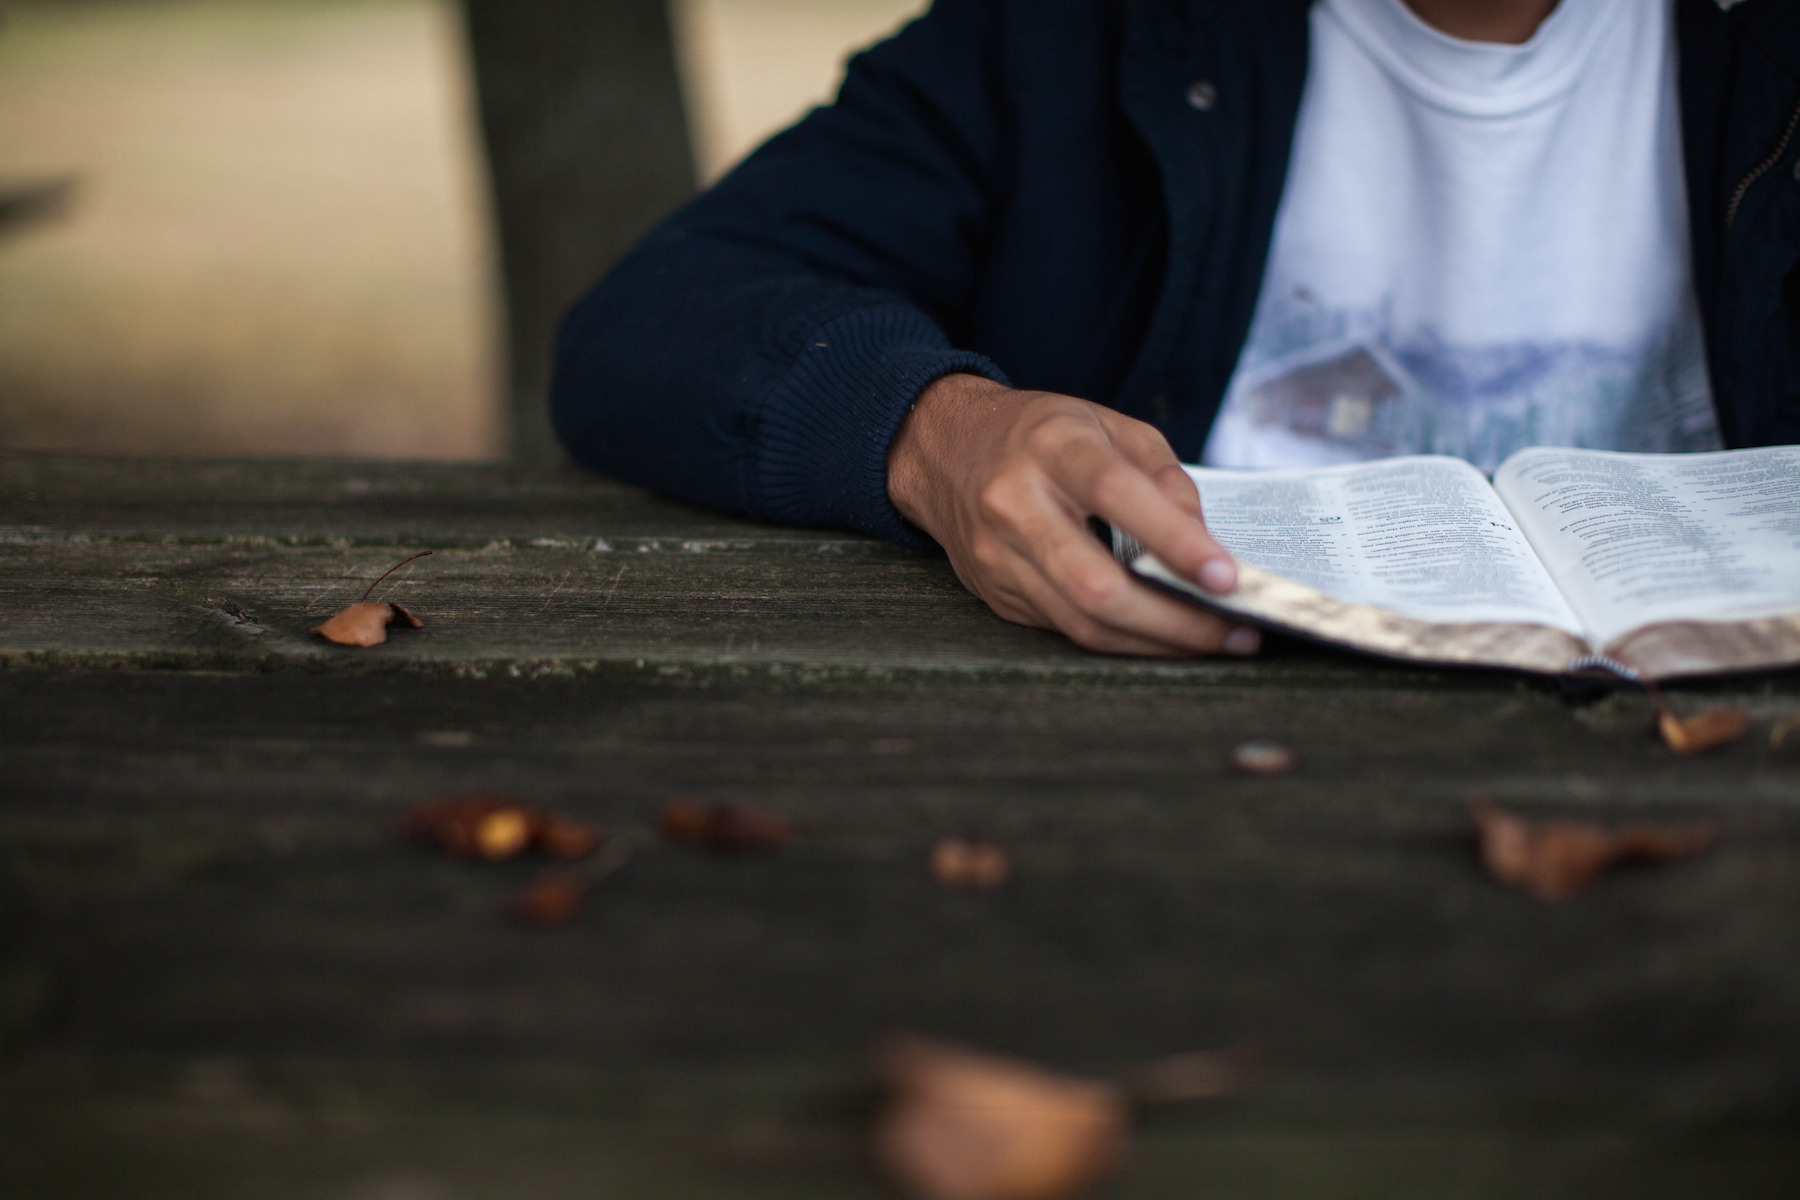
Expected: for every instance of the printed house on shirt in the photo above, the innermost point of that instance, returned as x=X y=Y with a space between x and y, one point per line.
x=1351 y=398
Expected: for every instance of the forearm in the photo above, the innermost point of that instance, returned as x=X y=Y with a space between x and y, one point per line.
x=745 y=383
x=759 y=351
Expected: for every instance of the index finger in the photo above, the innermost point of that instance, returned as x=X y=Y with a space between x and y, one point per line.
x=1104 y=482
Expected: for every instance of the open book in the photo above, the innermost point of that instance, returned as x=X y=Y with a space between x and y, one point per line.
x=1651 y=565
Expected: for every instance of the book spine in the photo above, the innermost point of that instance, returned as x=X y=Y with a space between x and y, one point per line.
x=1599 y=662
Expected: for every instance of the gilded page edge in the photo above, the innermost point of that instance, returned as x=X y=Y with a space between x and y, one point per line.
x=1671 y=649
x=1270 y=600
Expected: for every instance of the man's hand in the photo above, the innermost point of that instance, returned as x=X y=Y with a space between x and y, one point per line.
x=1005 y=481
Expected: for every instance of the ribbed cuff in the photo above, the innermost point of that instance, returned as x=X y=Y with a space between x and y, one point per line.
x=825 y=428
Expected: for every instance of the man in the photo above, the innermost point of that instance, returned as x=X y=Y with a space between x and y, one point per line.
x=1041 y=251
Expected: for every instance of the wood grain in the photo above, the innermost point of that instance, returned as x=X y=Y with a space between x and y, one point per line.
x=222 y=974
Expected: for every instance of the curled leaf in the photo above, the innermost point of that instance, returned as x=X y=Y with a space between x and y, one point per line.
x=976 y=866
x=496 y=828
x=459 y=825
x=1263 y=758
x=685 y=821
x=554 y=837
x=552 y=900
x=502 y=834
x=1702 y=732
x=1554 y=860
x=364 y=624
x=725 y=827
x=967 y=1126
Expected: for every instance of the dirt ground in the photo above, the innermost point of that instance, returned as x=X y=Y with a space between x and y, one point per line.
x=277 y=242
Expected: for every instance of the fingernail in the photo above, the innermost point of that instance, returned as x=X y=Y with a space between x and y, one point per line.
x=1218 y=575
x=1243 y=640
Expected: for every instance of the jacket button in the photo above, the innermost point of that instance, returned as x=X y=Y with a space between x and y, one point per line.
x=1202 y=94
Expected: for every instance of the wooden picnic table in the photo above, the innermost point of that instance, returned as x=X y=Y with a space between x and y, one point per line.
x=222 y=974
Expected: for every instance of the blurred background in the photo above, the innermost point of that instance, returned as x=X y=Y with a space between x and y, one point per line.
x=269 y=227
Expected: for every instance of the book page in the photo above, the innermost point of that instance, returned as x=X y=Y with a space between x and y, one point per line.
x=1425 y=537
x=1637 y=539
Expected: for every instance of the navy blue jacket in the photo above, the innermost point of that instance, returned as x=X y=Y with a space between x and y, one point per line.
x=1076 y=196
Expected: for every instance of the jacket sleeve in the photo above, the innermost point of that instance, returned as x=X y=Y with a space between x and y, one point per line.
x=758 y=352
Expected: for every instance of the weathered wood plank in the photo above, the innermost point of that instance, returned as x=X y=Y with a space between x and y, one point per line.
x=1337 y=913
x=225 y=566
x=226 y=1128
x=705 y=608
x=209 y=880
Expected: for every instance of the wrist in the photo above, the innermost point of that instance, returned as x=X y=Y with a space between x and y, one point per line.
x=941 y=428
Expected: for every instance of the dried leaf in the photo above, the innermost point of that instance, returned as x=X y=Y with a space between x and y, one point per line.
x=967 y=1126
x=366 y=624
x=496 y=828
x=502 y=834
x=685 y=820
x=554 y=899
x=1784 y=729
x=724 y=827
x=975 y=866
x=452 y=824
x=554 y=837
x=1201 y=1075
x=1554 y=860
x=1263 y=758
x=1704 y=731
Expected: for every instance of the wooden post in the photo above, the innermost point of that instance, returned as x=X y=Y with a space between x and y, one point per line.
x=587 y=142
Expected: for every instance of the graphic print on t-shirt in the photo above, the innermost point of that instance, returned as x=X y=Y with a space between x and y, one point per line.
x=1480 y=248
x=1311 y=393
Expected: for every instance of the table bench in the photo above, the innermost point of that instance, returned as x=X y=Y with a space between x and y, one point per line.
x=222 y=974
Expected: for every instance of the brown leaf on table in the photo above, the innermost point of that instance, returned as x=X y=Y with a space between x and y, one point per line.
x=502 y=834
x=495 y=828
x=366 y=624
x=552 y=900
x=1554 y=860
x=479 y=825
x=1702 y=732
x=725 y=827
x=684 y=820
x=974 y=866
x=554 y=837
x=966 y=1126
x=1263 y=758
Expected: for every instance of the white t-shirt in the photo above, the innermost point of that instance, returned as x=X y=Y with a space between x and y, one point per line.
x=1480 y=248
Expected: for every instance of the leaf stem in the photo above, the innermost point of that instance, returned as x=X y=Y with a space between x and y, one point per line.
x=390 y=571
